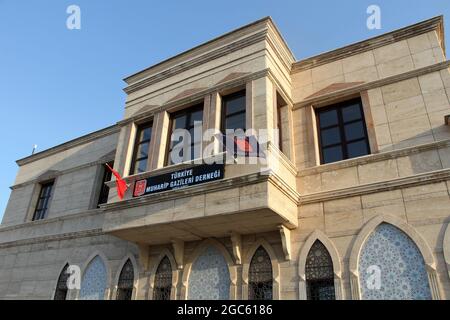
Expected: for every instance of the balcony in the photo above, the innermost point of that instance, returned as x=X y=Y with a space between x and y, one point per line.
x=250 y=198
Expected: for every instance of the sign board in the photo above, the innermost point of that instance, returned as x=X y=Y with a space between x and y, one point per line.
x=179 y=179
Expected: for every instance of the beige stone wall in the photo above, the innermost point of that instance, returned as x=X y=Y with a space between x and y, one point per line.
x=76 y=171
x=30 y=270
x=386 y=61
x=411 y=112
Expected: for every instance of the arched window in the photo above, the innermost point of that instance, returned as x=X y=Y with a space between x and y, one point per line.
x=210 y=277
x=93 y=285
x=391 y=267
x=61 y=286
x=319 y=273
x=163 y=280
x=126 y=282
x=260 y=278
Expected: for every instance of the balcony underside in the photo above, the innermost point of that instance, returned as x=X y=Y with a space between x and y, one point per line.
x=249 y=222
x=211 y=210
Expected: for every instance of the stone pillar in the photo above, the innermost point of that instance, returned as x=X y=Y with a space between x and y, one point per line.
x=160 y=139
x=124 y=149
x=263 y=107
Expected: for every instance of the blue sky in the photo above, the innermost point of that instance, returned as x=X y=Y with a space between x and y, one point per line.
x=57 y=84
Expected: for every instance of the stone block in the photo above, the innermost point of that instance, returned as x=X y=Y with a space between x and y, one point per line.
x=326 y=71
x=365 y=75
x=375 y=96
x=378 y=171
x=436 y=101
x=419 y=43
x=405 y=108
x=424 y=58
x=401 y=90
x=430 y=82
x=411 y=128
x=358 y=62
x=419 y=163
x=394 y=67
x=391 y=52
x=342 y=205
x=379 y=114
x=337 y=179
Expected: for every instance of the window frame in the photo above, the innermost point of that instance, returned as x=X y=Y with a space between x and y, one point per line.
x=224 y=98
x=186 y=111
x=43 y=186
x=63 y=275
x=341 y=126
x=140 y=128
x=106 y=176
x=125 y=292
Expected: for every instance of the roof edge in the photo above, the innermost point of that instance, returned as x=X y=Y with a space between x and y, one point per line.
x=135 y=76
x=69 y=144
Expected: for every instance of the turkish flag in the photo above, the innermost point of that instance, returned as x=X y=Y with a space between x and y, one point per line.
x=243 y=144
x=120 y=183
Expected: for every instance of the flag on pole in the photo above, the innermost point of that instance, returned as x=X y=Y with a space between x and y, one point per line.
x=242 y=146
x=120 y=183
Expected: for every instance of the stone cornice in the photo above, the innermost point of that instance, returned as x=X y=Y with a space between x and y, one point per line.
x=326 y=97
x=432 y=24
x=376 y=157
x=195 y=62
x=56 y=237
x=51 y=220
x=250 y=34
x=70 y=144
x=376 y=187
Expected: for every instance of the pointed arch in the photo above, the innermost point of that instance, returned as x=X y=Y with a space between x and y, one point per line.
x=135 y=265
x=197 y=253
x=173 y=291
x=416 y=238
x=275 y=268
x=446 y=248
x=107 y=267
x=318 y=235
x=61 y=284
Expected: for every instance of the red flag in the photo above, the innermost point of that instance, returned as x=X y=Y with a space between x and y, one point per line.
x=243 y=144
x=120 y=183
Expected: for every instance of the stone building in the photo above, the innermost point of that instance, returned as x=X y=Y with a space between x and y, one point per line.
x=354 y=202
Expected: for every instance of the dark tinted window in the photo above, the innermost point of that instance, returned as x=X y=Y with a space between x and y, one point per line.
x=186 y=119
x=61 y=286
x=233 y=111
x=342 y=131
x=126 y=282
x=319 y=273
x=104 y=189
x=141 y=149
x=43 y=201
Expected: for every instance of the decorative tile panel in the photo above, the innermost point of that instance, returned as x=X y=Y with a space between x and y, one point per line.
x=209 y=278
x=402 y=268
x=93 y=285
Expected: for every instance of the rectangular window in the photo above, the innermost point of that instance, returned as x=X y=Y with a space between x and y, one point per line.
x=43 y=201
x=342 y=131
x=141 y=149
x=233 y=111
x=185 y=119
x=104 y=189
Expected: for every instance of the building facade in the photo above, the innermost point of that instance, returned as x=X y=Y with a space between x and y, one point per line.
x=352 y=202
